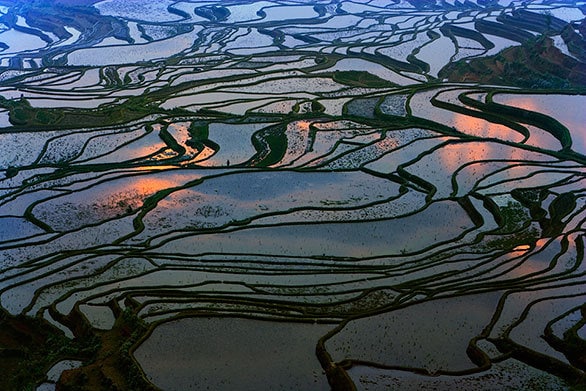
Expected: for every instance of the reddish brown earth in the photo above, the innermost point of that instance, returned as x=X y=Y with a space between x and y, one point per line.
x=535 y=64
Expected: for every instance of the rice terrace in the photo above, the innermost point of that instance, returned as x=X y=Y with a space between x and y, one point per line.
x=292 y=195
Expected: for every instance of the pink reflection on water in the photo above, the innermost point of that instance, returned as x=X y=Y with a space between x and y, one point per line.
x=567 y=109
x=454 y=156
x=481 y=128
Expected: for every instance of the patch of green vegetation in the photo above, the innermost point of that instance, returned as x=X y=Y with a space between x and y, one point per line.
x=317 y=107
x=514 y=217
x=361 y=79
x=200 y=133
x=305 y=107
x=271 y=146
x=422 y=65
x=29 y=346
x=531 y=199
x=320 y=9
x=560 y=207
x=11 y=172
x=510 y=241
x=453 y=31
x=199 y=130
x=170 y=141
x=514 y=223
x=21 y=113
x=110 y=76
x=213 y=13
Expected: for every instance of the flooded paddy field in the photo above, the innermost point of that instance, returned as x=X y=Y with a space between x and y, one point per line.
x=292 y=195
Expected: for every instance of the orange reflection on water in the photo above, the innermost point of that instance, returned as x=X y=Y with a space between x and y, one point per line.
x=202 y=158
x=521 y=102
x=302 y=125
x=453 y=156
x=479 y=127
x=151 y=185
x=539 y=138
x=522 y=247
x=132 y=191
x=538 y=260
x=471 y=125
x=116 y=197
x=153 y=168
x=528 y=268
